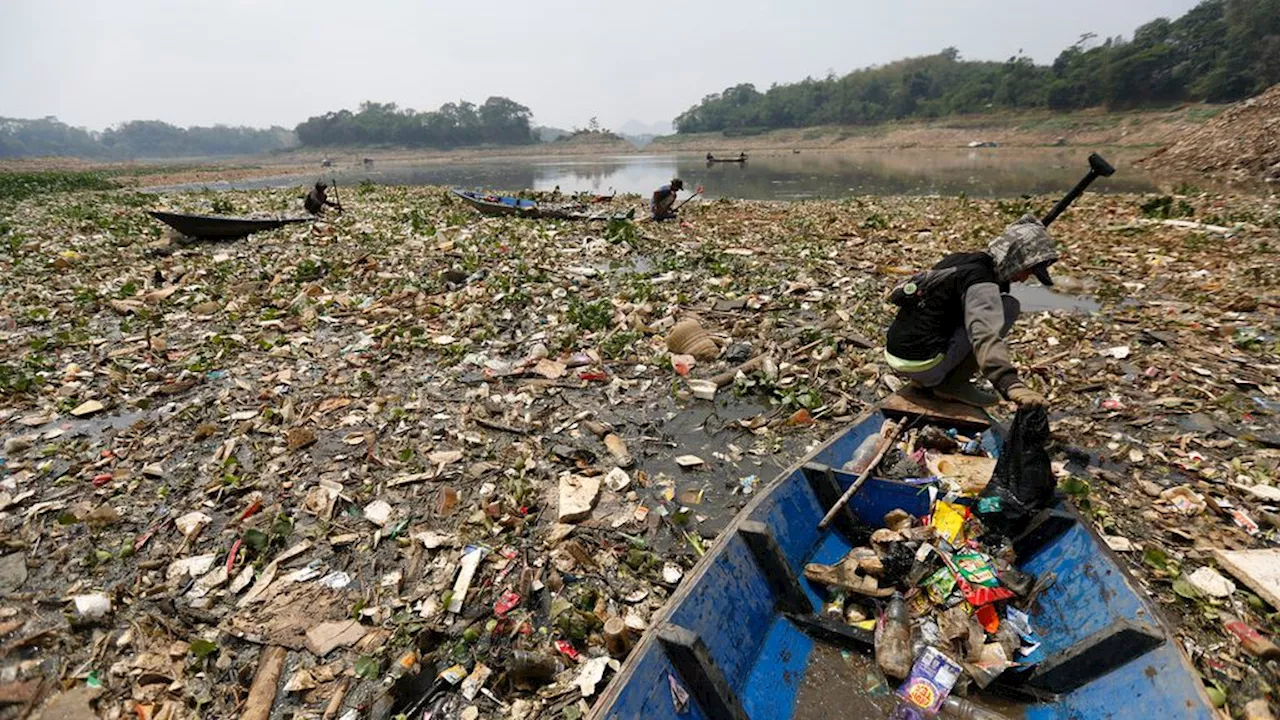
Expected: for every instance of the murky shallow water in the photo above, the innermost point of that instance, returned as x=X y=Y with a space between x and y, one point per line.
x=979 y=172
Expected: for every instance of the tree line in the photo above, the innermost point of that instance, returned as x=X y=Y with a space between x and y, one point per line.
x=1219 y=51
x=136 y=139
x=498 y=121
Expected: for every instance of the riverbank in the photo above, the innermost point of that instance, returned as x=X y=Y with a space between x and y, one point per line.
x=290 y=440
x=1138 y=133
x=1147 y=129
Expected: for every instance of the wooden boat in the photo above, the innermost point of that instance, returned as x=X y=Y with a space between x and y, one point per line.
x=739 y=159
x=521 y=207
x=741 y=638
x=221 y=227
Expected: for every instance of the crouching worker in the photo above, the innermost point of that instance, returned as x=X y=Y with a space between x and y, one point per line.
x=952 y=319
x=318 y=199
x=664 y=200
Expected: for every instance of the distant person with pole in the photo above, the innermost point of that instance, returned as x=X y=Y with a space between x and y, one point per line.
x=317 y=199
x=664 y=200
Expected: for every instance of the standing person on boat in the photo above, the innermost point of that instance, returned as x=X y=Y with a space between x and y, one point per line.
x=664 y=200
x=317 y=199
x=952 y=319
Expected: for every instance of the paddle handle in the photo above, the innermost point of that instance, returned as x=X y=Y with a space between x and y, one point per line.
x=853 y=489
x=682 y=203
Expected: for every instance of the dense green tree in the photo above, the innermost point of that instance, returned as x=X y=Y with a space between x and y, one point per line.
x=499 y=121
x=137 y=139
x=1219 y=51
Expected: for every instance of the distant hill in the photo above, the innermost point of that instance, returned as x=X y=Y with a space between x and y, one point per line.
x=549 y=134
x=635 y=128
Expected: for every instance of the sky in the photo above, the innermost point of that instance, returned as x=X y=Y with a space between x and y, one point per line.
x=97 y=63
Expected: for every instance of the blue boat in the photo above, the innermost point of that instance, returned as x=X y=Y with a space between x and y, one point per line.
x=741 y=638
x=488 y=204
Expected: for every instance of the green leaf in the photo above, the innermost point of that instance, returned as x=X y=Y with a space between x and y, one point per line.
x=368 y=667
x=201 y=648
x=1074 y=486
x=1183 y=588
x=255 y=539
x=1155 y=557
x=1216 y=694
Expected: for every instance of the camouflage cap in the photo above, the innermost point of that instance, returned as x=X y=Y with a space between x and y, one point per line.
x=1024 y=246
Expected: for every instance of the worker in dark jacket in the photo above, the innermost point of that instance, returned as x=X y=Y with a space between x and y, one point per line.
x=664 y=200
x=317 y=199
x=953 y=318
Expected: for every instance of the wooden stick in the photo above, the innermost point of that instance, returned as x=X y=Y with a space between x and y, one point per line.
x=262 y=694
x=682 y=203
x=335 y=701
x=726 y=377
x=871 y=466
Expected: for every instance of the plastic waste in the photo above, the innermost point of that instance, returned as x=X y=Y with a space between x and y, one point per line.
x=688 y=338
x=960 y=708
x=1023 y=478
x=931 y=680
x=1252 y=640
x=893 y=643
x=866 y=450
x=533 y=669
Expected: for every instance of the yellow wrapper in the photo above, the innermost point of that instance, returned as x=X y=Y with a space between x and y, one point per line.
x=948 y=520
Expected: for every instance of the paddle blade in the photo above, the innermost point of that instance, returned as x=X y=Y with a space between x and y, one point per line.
x=698 y=191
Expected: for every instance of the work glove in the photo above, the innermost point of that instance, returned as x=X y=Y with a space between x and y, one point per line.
x=1024 y=396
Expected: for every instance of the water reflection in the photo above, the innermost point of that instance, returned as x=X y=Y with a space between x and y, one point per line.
x=1004 y=172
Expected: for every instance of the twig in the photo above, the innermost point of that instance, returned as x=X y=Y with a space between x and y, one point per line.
x=727 y=376
x=871 y=466
x=262 y=694
x=499 y=426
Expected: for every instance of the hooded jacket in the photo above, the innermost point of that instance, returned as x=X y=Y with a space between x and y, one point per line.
x=966 y=293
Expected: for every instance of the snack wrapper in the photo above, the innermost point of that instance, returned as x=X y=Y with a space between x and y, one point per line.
x=930 y=681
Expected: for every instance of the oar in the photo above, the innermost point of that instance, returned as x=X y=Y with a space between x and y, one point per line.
x=696 y=192
x=336 y=199
x=871 y=466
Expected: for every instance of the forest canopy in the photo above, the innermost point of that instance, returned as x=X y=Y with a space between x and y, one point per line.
x=1220 y=51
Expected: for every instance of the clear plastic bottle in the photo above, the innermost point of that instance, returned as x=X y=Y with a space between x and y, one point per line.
x=893 y=645
x=862 y=456
x=959 y=708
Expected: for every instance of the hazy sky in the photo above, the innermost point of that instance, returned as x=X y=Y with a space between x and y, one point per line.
x=263 y=62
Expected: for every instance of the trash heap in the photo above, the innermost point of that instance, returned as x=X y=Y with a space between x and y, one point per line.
x=1243 y=143
x=342 y=411
x=951 y=600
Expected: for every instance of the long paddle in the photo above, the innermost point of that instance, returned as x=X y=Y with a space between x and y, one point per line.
x=695 y=194
x=336 y=199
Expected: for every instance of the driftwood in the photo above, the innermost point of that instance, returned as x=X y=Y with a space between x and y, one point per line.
x=262 y=694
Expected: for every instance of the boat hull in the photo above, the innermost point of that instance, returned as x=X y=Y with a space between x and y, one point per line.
x=1105 y=651
x=505 y=205
x=219 y=227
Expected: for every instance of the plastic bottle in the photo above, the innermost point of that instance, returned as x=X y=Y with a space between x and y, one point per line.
x=893 y=645
x=959 y=708
x=862 y=456
x=534 y=669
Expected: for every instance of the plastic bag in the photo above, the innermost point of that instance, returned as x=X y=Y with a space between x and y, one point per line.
x=1023 y=479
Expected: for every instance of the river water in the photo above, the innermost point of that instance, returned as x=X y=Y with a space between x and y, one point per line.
x=773 y=175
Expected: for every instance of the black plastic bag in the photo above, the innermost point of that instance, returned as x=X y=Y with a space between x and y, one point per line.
x=1023 y=479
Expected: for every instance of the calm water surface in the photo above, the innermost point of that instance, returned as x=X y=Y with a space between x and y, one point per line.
x=984 y=172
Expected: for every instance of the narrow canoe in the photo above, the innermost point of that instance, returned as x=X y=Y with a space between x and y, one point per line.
x=736 y=635
x=508 y=205
x=221 y=227
x=727 y=160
